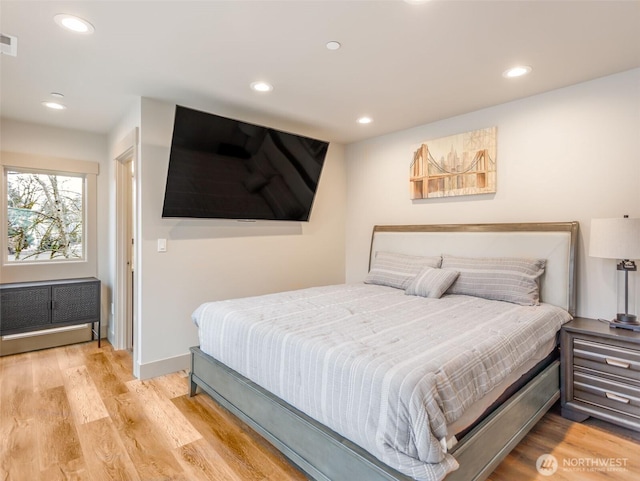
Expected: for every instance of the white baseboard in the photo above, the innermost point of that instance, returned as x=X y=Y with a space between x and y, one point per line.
x=162 y=367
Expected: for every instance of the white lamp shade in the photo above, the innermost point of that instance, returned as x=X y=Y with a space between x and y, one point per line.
x=617 y=238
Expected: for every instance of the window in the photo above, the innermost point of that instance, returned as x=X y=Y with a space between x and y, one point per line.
x=45 y=216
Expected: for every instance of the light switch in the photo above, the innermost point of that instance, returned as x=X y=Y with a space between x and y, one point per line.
x=162 y=245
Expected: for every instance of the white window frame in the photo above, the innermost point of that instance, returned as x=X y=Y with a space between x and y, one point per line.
x=83 y=179
x=58 y=268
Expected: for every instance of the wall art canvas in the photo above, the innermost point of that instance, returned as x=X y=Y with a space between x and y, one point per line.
x=463 y=164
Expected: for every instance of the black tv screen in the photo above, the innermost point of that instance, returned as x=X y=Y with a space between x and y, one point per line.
x=226 y=169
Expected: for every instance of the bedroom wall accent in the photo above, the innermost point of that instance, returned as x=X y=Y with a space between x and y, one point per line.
x=461 y=164
x=561 y=158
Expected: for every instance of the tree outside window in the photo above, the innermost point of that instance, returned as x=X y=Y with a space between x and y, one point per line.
x=45 y=215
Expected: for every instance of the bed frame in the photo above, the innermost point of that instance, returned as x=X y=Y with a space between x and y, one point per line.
x=323 y=454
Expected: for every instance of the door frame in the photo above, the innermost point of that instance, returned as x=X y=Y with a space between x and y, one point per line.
x=125 y=291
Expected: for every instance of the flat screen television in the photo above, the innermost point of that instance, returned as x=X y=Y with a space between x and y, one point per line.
x=226 y=169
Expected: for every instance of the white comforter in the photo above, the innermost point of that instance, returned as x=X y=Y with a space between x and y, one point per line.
x=386 y=370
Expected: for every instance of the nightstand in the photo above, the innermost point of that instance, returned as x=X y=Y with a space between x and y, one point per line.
x=600 y=373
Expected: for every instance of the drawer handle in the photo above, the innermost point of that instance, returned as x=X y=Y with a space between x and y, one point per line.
x=615 y=362
x=615 y=397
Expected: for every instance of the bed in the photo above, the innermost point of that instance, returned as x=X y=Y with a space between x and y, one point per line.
x=383 y=397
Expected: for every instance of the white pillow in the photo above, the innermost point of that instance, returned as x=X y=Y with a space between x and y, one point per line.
x=509 y=279
x=432 y=282
x=398 y=270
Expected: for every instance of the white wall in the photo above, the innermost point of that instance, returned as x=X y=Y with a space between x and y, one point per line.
x=215 y=259
x=47 y=141
x=28 y=138
x=570 y=154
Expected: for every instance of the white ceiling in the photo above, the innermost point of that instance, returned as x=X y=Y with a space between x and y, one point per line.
x=404 y=65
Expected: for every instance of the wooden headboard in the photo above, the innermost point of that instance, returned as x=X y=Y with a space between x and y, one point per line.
x=554 y=241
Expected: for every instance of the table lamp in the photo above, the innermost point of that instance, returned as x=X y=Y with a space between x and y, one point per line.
x=619 y=238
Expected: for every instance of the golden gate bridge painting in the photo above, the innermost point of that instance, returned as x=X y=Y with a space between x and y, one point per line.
x=463 y=164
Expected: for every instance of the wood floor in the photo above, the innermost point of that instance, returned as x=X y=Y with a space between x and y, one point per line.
x=77 y=413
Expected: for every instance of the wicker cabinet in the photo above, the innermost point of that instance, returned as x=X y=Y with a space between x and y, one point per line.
x=33 y=306
x=600 y=373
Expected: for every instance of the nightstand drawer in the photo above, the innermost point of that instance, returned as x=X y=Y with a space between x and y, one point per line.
x=606 y=393
x=607 y=358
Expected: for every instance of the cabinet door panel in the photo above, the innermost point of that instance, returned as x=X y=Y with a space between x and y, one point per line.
x=24 y=308
x=75 y=302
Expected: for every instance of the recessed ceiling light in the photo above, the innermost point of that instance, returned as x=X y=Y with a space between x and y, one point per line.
x=518 y=71
x=261 y=86
x=57 y=95
x=333 y=45
x=53 y=105
x=365 y=120
x=73 y=23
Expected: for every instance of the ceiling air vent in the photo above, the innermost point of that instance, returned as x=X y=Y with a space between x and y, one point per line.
x=8 y=44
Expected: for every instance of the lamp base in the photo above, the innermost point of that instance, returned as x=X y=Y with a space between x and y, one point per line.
x=625 y=325
x=626 y=318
